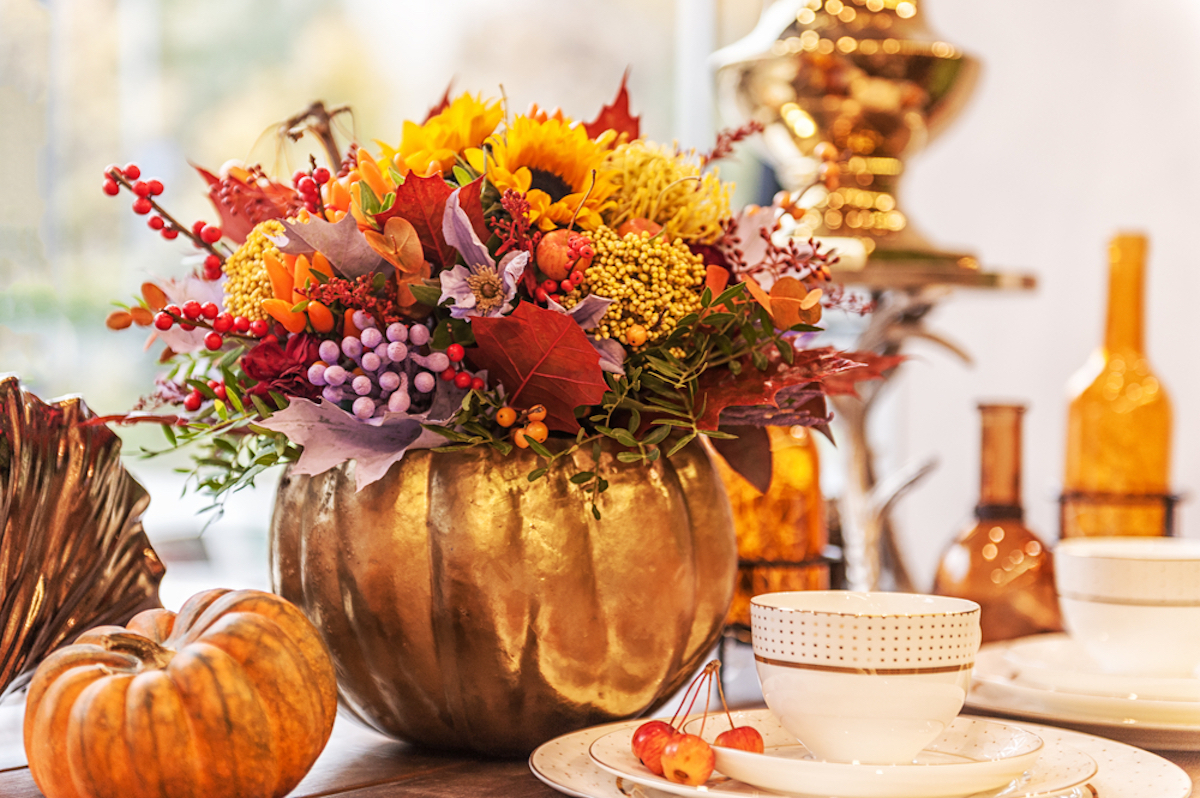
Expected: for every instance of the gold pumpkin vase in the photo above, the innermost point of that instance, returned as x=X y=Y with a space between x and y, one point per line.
x=469 y=608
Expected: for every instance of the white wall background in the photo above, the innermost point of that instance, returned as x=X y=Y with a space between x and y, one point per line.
x=1084 y=122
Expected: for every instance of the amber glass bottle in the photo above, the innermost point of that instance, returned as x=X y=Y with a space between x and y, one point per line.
x=781 y=534
x=1119 y=423
x=997 y=561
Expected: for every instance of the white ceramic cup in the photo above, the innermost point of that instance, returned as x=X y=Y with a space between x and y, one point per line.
x=1132 y=602
x=864 y=677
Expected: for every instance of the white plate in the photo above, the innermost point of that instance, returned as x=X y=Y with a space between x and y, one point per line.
x=1160 y=725
x=974 y=757
x=1124 y=771
x=1056 y=662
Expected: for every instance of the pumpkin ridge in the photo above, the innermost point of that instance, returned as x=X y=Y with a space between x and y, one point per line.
x=95 y=772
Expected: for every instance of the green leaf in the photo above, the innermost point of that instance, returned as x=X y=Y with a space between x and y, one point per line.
x=426 y=294
x=222 y=410
x=169 y=434
x=441 y=337
x=539 y=448
x=601 y=485
x=260 y=406
x=635 y=421
x=299 y=306
x=225 y=445
x=657 y=435
x=684 y=441
x=231 y=357
x=718 y=435
x=654 y=453
x=379 y=281
x=537 y=474
x=625 y=439
x=232 y=395
x=595 y=512
x=463 y=334
x=279 y=399
x=582 y=477
x=759 y=359
x=461 y=176
x=629 y=457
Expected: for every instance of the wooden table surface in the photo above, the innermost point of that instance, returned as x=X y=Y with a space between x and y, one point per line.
x=357 y=762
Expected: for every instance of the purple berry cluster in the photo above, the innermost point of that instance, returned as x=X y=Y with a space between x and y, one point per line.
x=376 y=371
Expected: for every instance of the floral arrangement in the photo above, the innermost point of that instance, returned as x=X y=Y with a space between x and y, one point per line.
x=525 y=281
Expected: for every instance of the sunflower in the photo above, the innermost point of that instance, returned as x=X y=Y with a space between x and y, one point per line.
x=435 y=145
x=552 y=163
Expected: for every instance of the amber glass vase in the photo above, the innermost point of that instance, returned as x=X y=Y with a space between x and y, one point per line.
x=781 y=534
x=997 y=561
x=1119 y=423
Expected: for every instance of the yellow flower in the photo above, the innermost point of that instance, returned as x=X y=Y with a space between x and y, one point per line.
x=665 y=186
x=551 y=162
x=435 y=145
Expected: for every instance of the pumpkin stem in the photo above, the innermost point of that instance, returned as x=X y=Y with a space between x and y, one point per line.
x=150 y=654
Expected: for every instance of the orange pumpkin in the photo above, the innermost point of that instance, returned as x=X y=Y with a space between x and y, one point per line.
x=235 y=696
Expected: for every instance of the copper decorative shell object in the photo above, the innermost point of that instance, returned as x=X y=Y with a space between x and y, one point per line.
x=73 y=553
x=467 y=607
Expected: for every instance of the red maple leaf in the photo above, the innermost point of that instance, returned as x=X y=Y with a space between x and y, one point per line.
x=443 y=103
x=616 y=116
x=541 y=357
x=722 y=389
x=422 y=201
x=242 y=205
x=872 y=367
x=470 y=200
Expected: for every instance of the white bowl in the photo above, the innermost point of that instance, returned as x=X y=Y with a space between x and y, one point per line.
x=864 y=677
x=1132 y=602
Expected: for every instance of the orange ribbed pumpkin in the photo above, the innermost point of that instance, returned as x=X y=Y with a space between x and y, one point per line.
x=234 y=697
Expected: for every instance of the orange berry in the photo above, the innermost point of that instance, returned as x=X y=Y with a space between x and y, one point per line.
x=506 y=416
x=536 y=413
x=520 y=439
x=538 y=431
x=636 y=335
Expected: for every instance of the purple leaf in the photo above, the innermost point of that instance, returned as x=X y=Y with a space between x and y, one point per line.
x=458 y=232
x=587 y=313
x=342 y=243
x=612 y=355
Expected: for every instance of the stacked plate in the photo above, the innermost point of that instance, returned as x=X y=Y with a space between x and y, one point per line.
x=975 y=757
x=1052 y=678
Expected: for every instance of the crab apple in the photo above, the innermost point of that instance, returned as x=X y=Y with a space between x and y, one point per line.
x=639 y=225
x=648 y=742
x=554 y=255
x=743 y=738
x=688 y=759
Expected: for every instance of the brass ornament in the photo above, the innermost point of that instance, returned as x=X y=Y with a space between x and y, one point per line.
x=868 y=78
x=469 y=608
x=73 y=554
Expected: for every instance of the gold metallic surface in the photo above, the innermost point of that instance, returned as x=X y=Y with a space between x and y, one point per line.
x=468 y=608
x=781 y=534
x=73 y=553
x=871 y=80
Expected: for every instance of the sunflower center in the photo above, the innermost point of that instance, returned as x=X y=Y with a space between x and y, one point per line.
x=549 y=182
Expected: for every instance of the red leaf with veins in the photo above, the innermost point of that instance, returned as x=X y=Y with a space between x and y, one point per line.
x=872 y=367
x=242 y=205
x=422 y=201
x=541 y=357
x=616 y=116
x=720 y=389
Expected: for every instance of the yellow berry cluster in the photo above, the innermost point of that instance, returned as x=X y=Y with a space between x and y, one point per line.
x=653 y=283
x=249 y=284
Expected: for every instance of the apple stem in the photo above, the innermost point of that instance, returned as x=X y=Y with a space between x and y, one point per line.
x=721 y=693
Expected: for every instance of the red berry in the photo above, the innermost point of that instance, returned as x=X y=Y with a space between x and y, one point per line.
x=141 y=188
x=241 y=324
x=156 y=223
x=132 y=171
x=142 y=206
x=213 y=383
x=191 y=309
x=173 y=310
x=307 y=185
x=298 y=176
x=210 y=310
x=193 y=401
x=111 y=188
x=258 y=328
x=455 y=352
x=219 y=390
x=197 y=226
x=541 y=294
x=112 y=167
x=462 y=380
x=477 y=384
x=320 y=175
x=223 y=323
x=163 y=321
x=212 y=261
x=554 y=298
x=213 y=341
x=210 y=234
x=156 y=187
x=549 y=286
x=449 y=374
x=212 y=273
x=183 y=325
x=170 y=233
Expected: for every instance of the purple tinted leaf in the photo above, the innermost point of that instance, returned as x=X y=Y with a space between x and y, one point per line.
x=458 y=232
x=587 y=313
x=612 y=355
x=342 y=243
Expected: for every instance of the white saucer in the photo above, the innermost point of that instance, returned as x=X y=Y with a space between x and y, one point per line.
x=1162 y=725
x=1057 y=662
x=1124 y=771
x=973 y=757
